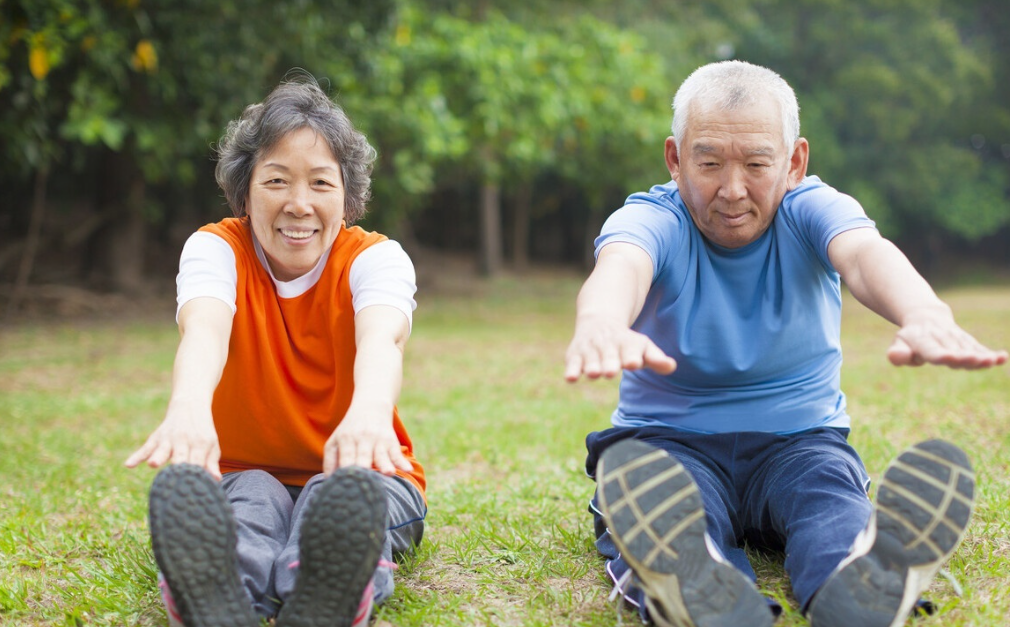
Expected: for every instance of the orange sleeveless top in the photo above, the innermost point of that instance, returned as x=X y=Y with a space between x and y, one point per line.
x=289 y=376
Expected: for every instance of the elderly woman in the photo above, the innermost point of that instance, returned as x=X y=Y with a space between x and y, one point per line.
x=293 y=481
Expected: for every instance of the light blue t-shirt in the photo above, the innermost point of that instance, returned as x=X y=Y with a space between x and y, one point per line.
x=755 y=330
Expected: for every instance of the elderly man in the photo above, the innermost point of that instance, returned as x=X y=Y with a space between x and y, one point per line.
x=718 y=295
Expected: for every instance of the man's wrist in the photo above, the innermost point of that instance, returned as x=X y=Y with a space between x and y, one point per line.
x=938 y=312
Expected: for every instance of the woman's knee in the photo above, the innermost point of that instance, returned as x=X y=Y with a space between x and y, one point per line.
x=256 y=488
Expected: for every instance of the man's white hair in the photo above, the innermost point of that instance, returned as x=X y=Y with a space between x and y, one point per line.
x=730 y=85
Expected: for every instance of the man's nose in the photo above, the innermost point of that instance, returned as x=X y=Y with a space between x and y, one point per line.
x=733 y=185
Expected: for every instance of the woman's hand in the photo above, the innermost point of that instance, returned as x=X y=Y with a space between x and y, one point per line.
x=181 y=438
x=187 y=433
x=365 y=437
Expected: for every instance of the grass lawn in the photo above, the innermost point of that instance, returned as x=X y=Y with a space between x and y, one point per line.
x=509 y=541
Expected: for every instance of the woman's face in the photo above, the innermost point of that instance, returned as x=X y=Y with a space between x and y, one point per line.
x=296 y=202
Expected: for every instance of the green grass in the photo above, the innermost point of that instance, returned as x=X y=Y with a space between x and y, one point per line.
x=508 y=540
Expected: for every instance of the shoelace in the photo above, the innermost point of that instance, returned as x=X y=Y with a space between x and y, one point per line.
x=954 y=583
x=620 y=587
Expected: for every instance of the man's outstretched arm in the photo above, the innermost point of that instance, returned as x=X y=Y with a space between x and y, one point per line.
x=881 y=277
x=610 y=300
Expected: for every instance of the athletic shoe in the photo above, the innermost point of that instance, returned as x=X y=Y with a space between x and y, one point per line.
x=654 y=512
x=340 y=545
x=193 y=537
x=921 y=514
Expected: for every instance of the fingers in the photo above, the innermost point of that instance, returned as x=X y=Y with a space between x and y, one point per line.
x=607 y=355
x=161 y=454
x=659 y=361
x=164 y=446
x=330 y=459
x=213 y=465
x=347 y=452
x=141 y=453
x=363 y=454
x=399 y=459
x=593 y=360
x=573 y=367
x=385 y=456
x=945 y=345
x=900 y=354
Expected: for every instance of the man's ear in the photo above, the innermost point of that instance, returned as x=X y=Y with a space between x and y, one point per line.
x=672 y=157
x=798 y=162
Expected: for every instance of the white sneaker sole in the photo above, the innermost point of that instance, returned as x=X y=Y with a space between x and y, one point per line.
x=654 y=511
x=922 y=511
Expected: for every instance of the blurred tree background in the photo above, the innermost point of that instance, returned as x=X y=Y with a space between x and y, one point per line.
x=507 y=131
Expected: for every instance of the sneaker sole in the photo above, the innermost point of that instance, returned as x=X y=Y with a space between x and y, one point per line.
x=655 y=513
x=193 y=537
x=341 y=543
x=923 y=507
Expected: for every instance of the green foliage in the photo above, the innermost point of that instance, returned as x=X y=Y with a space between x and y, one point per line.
x=156 y=79
x=905 y=101
x=891 y=112
x=494 y=100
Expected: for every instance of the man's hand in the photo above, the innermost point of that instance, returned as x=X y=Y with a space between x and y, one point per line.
x=603 y=347
x=180 y=439
x=608 y=303
x=881 y=277
x=365 y=438
x=942 y=342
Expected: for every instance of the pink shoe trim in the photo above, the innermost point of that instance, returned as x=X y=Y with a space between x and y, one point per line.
x=365 y=607
x=367 y=598
x=166 y=596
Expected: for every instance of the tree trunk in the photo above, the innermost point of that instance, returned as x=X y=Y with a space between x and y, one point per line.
x=490 y=229
x=116 y=250
x=521 y=227
x=31 y=241
x=129 y=241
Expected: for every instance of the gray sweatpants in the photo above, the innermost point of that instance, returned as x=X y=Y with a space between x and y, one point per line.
x=268 y=516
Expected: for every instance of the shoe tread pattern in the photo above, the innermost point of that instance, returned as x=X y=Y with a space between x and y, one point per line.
x=922 y=511
x=340 y=546
x=655 y=513
x=193 y=538
x=925 y=501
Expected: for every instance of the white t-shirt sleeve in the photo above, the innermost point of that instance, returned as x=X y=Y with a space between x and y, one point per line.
x=383 y=274
x=206 y=268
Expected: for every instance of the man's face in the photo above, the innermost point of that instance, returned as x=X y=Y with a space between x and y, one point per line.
x=733 y=170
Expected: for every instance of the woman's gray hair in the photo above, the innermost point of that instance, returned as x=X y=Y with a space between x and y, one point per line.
x=729 y=85
x=296 y=103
